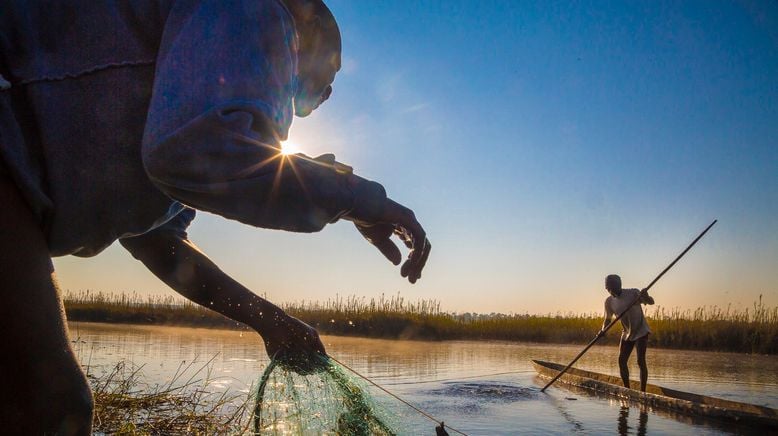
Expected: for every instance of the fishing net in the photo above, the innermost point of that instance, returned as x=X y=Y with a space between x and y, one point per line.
x=327 y=401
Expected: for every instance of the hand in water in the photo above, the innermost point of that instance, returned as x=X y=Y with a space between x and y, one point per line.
x=294 y=344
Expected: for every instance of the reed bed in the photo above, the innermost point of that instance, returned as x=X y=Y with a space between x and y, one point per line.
x=133 y=308
x=750 y=330
x=126 y=405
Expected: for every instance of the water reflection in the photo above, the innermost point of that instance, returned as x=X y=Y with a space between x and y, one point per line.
x=623 y=421
x=446 y=378
x=576 y=426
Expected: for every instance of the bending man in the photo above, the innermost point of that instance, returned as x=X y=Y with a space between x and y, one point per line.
x=117 y=121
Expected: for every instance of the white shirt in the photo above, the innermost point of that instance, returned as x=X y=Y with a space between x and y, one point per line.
x=634 y=325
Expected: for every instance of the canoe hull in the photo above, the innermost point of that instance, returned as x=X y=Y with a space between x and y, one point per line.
x=663 y=398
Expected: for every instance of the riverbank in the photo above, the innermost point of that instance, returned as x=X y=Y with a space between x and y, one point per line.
x=752 y=330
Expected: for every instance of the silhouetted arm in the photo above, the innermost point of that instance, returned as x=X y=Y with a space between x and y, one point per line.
x=222 y=102
x=186 y=269
x=608 y=316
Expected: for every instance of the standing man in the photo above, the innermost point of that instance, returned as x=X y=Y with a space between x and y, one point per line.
x=635 y=329
x=117 y=121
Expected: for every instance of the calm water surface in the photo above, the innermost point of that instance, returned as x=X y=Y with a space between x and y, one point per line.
x=455 y=380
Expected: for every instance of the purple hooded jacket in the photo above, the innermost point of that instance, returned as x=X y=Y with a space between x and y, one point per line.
x=116 y=116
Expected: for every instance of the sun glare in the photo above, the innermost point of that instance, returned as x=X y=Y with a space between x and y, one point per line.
x=288 y=147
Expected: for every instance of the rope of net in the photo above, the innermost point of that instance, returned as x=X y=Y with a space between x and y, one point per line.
x=422 y=412
x=261 y=393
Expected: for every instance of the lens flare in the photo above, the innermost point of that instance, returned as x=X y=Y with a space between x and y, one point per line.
x=288 y=147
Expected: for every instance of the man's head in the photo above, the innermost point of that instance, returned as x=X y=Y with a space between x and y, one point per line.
x=613 y=284
x=318 y=58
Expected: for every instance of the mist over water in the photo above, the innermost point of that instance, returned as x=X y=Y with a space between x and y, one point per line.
x=444 y=378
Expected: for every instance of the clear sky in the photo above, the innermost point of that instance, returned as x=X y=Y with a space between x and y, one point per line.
x=543 y=145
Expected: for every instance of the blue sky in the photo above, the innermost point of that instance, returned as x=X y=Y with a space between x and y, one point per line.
x=543 y=145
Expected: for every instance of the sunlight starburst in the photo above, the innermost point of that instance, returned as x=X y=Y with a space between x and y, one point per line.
x=289 y=147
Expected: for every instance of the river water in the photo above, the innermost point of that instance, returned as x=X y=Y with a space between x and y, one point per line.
x=459 y=382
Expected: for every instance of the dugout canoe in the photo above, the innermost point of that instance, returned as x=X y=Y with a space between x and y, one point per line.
x=663 y=398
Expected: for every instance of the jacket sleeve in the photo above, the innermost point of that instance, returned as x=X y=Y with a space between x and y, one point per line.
x=178 y=225
x=222 y=101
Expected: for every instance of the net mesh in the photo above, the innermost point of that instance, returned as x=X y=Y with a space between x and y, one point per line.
x=327 y=401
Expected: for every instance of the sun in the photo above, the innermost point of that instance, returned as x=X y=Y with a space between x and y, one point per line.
x=289 y=147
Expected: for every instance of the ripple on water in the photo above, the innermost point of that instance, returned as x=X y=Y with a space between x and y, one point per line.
x=487 y=391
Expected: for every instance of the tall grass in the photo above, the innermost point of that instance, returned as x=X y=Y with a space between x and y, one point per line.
x=126 y=405
x=753 y=330
x=750 y=330
x=134 y=308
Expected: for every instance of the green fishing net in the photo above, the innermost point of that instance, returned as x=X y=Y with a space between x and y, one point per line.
x=327 y=401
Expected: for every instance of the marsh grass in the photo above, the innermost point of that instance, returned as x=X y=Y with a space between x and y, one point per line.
x=126 y=405
x=750 y=330
x=134 y=308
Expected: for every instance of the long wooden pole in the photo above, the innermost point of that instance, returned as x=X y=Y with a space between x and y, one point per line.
x=642 y=292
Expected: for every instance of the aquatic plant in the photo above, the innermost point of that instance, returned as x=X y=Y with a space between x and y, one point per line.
x=126 y=405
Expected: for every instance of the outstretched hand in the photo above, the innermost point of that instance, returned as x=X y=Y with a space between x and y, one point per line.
x=397 y=219
x=294 y=344
x=383 y=217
